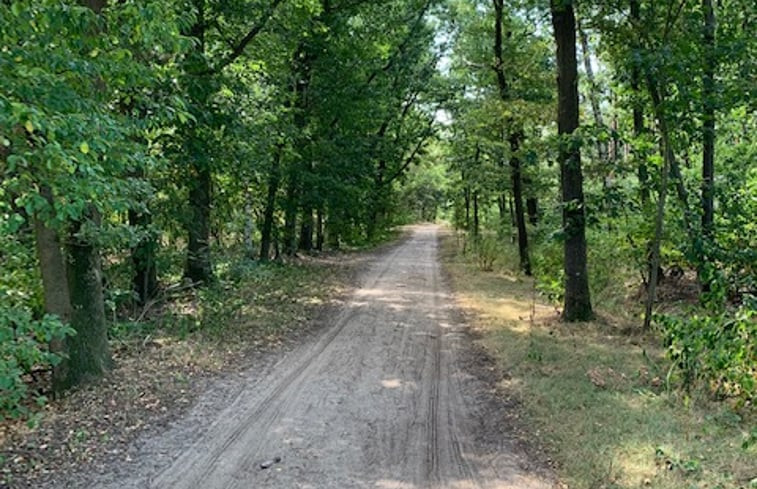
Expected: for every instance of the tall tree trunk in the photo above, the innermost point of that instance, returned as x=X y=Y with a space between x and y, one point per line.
x=88 y=350
x=319 y=229
x=577 y=295
x=145 y=274
x=52 y=266
x=476 y=229
x=515 y=137
x=266 y=231
x=708 y=135
x=144 y=271
x=198 y=268
x=306 y=230
x=520 y=214
x=593 y=94
x=467 y=197
x=532 y=207
x=249 y=227
x=654 y=259
x=377 y=209
x=289 y=245
x=638 y=112
x=334 y=228
x=503 y=215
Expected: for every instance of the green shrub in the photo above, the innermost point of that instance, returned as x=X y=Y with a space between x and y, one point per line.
x=24 y=346
x=718 y=349
x=486 y=249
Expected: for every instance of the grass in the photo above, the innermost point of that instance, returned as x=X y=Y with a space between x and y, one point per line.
x=595 y=394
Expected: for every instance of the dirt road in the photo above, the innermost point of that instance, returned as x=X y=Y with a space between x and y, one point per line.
x=380 y=398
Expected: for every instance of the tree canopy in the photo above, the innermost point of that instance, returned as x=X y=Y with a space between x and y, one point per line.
x=135 y=132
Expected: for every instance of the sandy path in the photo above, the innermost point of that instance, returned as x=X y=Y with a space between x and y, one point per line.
x=379 y=399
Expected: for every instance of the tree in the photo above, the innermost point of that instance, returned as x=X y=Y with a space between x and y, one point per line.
x=577 y=305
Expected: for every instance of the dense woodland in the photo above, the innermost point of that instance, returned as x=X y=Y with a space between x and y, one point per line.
x=144 y=144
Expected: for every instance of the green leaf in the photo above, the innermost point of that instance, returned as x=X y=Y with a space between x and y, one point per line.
x=84 y=147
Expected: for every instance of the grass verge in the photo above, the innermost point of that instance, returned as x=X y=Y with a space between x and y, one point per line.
x=593 y=393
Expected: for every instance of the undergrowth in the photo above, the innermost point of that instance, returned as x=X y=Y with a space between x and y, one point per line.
x=596 y=393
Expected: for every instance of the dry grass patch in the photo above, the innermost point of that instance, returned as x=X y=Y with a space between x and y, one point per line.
x=595 y=394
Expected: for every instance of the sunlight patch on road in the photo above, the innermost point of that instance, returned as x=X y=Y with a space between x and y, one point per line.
x=392 y=383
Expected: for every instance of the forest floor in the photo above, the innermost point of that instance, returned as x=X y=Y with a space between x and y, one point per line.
x=180 y=347
x=595 y=394
x=387 y=390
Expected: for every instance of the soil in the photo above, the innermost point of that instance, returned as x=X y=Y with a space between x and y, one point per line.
x=389 y=393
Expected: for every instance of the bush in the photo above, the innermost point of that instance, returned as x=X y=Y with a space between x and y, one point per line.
x=23 y=347
x=486 y=250
x=718 y=349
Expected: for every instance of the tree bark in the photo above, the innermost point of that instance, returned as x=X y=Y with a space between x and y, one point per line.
x=476 y=229
x=57 y=299
x=638 y=112
x=249 y=227
x=532 y=207
x=88 y=350
x=145 y=274
x=198 y=268
x=319 y=229
x=289 y=245
x=514 y=139
x=577 y=295
x=306 y=231
x=467 y=197
x=266 y=231
x=708 y=134
x=520 y=215
x=593 y=94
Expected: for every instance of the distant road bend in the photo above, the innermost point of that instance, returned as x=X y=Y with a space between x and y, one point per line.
x=380 y=398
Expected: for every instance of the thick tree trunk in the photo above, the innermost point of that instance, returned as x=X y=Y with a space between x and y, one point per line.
x=266 y=231
x=198 y=268
x=57 y=300
x=88 y=350
x=577 y=295
x=520 y=215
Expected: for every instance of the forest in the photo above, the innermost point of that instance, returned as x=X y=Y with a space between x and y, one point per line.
x=150 y=148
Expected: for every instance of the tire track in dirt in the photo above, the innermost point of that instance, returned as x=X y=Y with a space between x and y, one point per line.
x=270 y=406
x=380 y=399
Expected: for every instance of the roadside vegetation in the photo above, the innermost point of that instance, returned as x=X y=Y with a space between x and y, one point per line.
x=165 y=354
x=598 y=395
